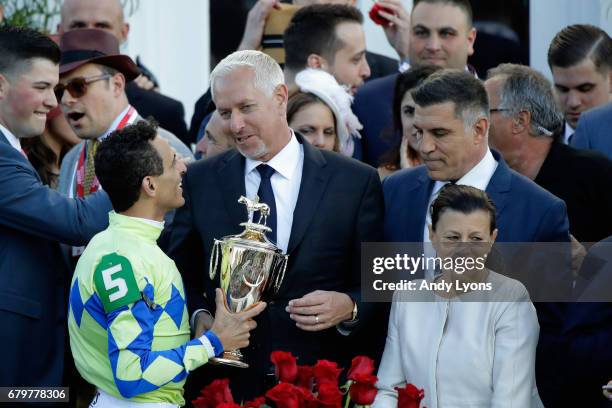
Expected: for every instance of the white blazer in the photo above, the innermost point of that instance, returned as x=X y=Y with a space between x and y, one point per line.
x=467 y=354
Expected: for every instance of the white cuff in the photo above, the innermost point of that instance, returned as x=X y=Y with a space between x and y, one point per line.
x=206 y=343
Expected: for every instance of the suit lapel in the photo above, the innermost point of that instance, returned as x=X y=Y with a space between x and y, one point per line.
x=499 y=185
x=231 y=184
x=425 y=188
x=315 y=176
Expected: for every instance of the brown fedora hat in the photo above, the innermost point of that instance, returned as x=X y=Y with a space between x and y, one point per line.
x=84 y=46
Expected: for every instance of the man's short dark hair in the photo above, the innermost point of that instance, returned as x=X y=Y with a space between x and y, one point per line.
x=19 y=45
x=577 y=42
x=460 y=87
x=464 y=5
x=312 y=30
x=124 y=159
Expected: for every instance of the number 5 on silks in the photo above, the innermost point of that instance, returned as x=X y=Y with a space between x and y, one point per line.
x=115 y=282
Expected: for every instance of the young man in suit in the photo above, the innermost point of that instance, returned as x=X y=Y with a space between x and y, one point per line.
x=580 y=59
x=108 y=15
x=91 y=92
x=33 y=218
x=323 y=207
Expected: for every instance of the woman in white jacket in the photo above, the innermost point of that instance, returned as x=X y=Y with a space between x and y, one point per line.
x=471 y=341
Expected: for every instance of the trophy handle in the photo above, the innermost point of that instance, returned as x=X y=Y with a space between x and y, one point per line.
x=280 y=276
x=214 y=260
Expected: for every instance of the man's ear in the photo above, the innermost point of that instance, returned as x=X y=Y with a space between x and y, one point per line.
x=149 y=186
x=281 y=95
x=522 y=122
x=118 y=84
x=481 y=130
x=316 y=61
x=125 y=30
x=4 y=85
x=471 y=40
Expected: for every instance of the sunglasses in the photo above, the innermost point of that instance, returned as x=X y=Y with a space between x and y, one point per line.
x=77 y=87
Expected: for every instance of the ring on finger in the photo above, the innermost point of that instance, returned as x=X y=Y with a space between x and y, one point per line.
x=316 y=319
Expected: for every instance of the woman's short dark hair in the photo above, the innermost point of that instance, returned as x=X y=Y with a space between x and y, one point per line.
x=465 y=199
x=124 y=159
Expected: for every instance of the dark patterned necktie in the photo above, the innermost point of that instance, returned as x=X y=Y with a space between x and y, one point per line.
x=90 y=171
x=266 y=195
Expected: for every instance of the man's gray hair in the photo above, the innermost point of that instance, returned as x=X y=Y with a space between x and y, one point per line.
x=268 y=74
x=526 y=89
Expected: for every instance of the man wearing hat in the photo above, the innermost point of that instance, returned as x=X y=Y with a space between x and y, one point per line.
x=92 y=95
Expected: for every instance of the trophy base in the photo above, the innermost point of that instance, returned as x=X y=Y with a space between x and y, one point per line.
x=231 y=358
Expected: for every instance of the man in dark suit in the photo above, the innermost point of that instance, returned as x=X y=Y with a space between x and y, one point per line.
x=33 y=218
x=108 y=15
x=442 y=33
x=525 y=128
x=323 y=207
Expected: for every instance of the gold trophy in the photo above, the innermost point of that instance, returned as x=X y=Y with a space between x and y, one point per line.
x=252 y=268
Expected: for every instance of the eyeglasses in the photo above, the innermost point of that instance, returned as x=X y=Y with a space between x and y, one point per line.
x=77 y=87
x=498 y=110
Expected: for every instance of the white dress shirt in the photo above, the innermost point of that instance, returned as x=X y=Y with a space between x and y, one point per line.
x=286 y=181
x=12 y=139
x=567 y=133
x=464 y=354
x=479 y=177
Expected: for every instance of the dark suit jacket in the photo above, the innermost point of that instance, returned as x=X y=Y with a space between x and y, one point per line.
x=374 y=107
x=543 y=217
x=582 y=179
x=33 y=278
x=381 y=65
x=340 y=205
x=168 y=112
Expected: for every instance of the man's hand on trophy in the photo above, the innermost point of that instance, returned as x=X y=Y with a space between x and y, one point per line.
x=320 y=310
x=233 y=329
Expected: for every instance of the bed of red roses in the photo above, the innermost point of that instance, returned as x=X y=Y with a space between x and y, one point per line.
x=311 y=387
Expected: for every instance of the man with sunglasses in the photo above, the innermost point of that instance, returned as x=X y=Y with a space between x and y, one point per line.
x=91 y=92
x=33 y=218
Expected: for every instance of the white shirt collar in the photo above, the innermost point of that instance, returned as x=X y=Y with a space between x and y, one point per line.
x=479 y=176
x=12 y=139
x=284 y=161
x=115 y=123
x=158 y=224
x=568 y=132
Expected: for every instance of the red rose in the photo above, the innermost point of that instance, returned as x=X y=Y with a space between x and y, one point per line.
x=377 y=18
x=285 y=395
x=309 y=400
x=285 y=366
x=228 y=405
x=305 y=377
x=361 y=365
x=409 y=396
x=326 y=372
x=256 y=403
x=329 y=396
x=214 y=394
x=363 y=390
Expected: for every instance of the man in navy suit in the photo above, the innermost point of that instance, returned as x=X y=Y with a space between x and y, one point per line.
x=323 y=207
x=33 y=218
x=452 y=121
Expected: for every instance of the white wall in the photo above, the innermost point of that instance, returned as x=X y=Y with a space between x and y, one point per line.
x=375 y=36
x=172 y=39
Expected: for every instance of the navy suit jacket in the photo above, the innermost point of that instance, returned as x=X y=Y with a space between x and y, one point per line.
x=543 y=217
x=33 y=277
x=594 y=130
x=374 y=107
x=340 y=205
